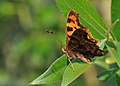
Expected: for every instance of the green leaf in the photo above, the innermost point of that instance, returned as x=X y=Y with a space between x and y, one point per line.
x=102 y=43
x=106 y=74
x=110 y=82
x=103 y=76
x=54 y=72
x=114 y=78
x=115 y=12
x=111 y=44
x=118 y=79
x=70 y=74
x=89 y=17
x=114 y=49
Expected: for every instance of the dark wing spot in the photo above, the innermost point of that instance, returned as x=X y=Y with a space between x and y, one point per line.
x=78 y=24
x=70 y=20
x=69 y=36
x=69 y=29
x=75 y=27
x=77 y=20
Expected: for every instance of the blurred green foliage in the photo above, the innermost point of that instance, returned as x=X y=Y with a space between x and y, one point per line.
x=26 y=50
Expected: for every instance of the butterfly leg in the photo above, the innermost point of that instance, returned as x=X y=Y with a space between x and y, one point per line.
x=71 y=65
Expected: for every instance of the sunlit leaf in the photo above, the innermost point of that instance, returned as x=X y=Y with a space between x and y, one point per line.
x=115 y=12
x=106 y=74
x=54 y=72
x=118 y=79
x=71 y=74
x=102 y=43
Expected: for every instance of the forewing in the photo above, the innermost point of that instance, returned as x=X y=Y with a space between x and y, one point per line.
x=72 y=24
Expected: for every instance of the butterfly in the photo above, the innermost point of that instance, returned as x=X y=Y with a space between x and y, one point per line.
x=79 y=41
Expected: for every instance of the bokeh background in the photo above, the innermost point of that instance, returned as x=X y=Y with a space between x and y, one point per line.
x=26 y=50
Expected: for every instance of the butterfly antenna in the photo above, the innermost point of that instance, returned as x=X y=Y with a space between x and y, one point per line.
x=51 y=33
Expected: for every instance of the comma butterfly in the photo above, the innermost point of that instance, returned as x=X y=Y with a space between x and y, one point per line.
x=79 y=41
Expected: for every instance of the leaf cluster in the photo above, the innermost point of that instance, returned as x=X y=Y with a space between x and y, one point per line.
x=60 y=70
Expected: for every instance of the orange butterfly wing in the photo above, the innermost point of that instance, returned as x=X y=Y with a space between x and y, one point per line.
x=72 y=24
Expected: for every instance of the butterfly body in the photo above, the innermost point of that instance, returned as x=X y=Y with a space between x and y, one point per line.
x=79 y=41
